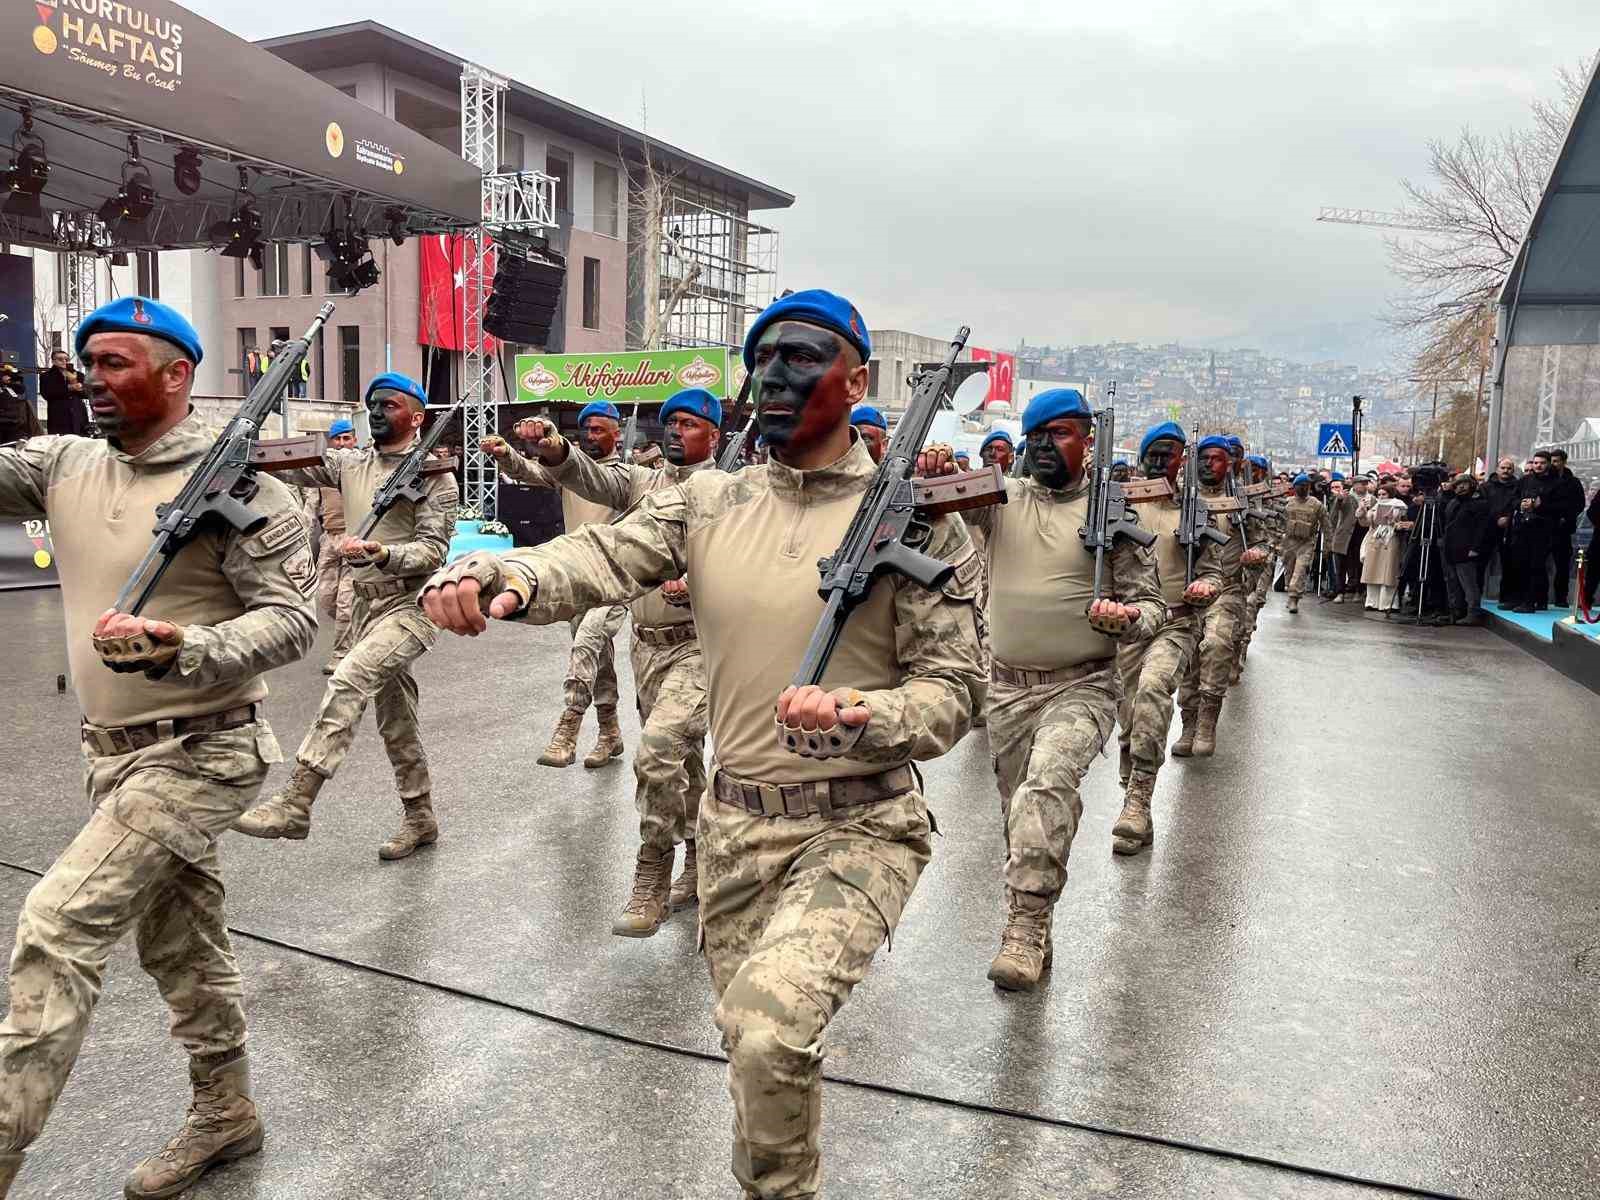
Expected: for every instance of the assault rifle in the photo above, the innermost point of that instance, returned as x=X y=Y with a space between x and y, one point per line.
x=224 y=484
x=630 y=432
x=405 y=481
x=1240 y=508
x=1194 y=518
x=728 y=460
x=889 y=528
x=1109 y=517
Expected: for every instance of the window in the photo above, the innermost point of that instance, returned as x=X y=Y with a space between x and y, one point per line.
x=306 y=267
x=248 y=367
x=350 y=364
x=275 y=270
x=147 y=267
x=238 y=277
x=513 y=150
x=605 y=199
x=591 y=293
x=559 y=164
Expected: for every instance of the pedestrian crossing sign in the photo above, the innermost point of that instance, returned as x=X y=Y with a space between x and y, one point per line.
x=1334 y=441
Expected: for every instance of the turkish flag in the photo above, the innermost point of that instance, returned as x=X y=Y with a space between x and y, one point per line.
x=441 y=293
x=1000 y=375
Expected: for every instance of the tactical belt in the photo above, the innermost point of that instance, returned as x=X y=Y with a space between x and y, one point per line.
x=1021 y=677
x=128 y=738
x=822 y=798
x=665 y=635
x=389 y=587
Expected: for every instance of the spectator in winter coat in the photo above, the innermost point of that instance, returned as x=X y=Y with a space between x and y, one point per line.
x=1469 y=534
x=1342 y=509
x=1563 y=509
x=1527 y=548
x=1591 y=567
x=1500 y=493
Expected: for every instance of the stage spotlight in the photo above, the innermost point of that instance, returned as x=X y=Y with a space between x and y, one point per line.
x=135 y=199
x=186 y=172
x=240 y=235
x=30 y=168
x=348 y=253
x=395 y=218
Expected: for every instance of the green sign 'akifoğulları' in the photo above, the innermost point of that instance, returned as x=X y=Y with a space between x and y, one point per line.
x=636 y=377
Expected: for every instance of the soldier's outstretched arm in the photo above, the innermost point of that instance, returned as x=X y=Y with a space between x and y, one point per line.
x=436 y=524
x=1209 y=567
x=25 y=476
x=614 y=484
x=275 y=577
x=596 y=565
x=324 y=475
x=945 y=671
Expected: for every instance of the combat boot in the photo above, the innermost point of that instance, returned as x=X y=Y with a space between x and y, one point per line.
x=417 y=828
x=288 y=813
x=1124 y=763
x=1294 y=604
x=1205 y=731
x=1025 y=949
x=1134 y=829
x=563 y=747
x=10 y=1164
x=220 y=1126
x=646 y=908
x=686 y=888
x=609 y=744
x=1184 y=746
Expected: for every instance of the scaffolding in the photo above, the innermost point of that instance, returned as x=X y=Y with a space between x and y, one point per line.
x=1549 y=391
x=737 y=263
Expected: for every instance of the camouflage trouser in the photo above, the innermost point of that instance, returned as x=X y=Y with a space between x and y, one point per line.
x=1256 y=582
x=592 y=671
x=669 y=765
x=336 y=595
x=1043 y=740
x=1151 y=672
x=792 y=910
x=391 y=634
x=146 y=861
x=1212 y=664
x=1296 y=557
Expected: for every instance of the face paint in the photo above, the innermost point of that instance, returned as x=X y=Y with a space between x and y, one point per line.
x=129 y=394
x=1121 y=473
x=689 y=439
x=876 y=441
x=598 y=436
x=1056 y=452
x=1213 y=465
x=1163 y=458
x=390 y=417
x=801 y=385
x=998 y=454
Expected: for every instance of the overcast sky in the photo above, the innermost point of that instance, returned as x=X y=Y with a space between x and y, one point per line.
x=1055 y=171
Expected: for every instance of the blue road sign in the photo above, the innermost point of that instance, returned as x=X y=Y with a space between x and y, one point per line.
x=1334 y=441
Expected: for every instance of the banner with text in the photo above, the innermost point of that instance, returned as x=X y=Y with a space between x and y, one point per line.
x=27 y=558
x=634 y=377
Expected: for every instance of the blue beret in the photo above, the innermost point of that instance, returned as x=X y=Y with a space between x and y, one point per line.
x=1339 y=475
x=1214 y=441
x=1057 y=402
x=1233 y=442
x=138 y=314
x=598 y=408
x=815 y=307
x=1259 y=460
x=1301 y=478
x=865 y=414
x=997 y=435
x=340 y=426
x=1119 y=462
x=397 y=382
x=1168 y=431
x=697 y=402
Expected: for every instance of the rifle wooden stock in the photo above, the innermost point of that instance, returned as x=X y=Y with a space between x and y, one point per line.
x=1224 y=504
x=1142 y=491
x=943 y=494
x=289 y=454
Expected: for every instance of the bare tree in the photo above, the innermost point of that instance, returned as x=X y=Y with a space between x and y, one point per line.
x=1479 y=196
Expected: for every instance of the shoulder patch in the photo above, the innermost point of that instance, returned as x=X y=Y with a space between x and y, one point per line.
x=287 y=530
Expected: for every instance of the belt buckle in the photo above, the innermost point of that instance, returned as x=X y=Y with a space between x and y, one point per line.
x=795 y=792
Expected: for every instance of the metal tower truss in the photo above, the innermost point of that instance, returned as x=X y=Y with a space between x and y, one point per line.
x=738 y=267
x=1549 y=388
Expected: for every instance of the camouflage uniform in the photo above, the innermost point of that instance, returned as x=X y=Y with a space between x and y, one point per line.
x=798 y=893
x=1258 y=579
x=335 y=591
x=390 y=632
x=158 y=796
x=1302 y=519
x=1053 y=699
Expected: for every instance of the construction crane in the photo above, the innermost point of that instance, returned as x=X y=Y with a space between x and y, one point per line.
x=1373 y=216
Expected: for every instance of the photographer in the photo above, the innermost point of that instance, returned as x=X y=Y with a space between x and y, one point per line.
x=1526 y=586
x=1469 y=536
x=1423 y=574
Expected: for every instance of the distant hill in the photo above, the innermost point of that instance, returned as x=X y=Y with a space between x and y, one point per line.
x=1368 y=344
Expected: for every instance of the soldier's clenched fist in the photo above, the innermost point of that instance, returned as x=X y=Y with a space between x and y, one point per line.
x=127 y=643
x=465 y=594
x=815 y=723
x=548 y=444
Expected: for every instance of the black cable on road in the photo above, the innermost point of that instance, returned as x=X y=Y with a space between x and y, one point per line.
x=865 y=1085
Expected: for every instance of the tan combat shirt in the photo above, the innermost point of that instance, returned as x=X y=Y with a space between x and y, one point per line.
x=417 y=535
x=1161 y=517
x=1041 y=579
x=576 y=510
x=328 y=506
x=750 y=542
x=244 y=602
x=1302 y=518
